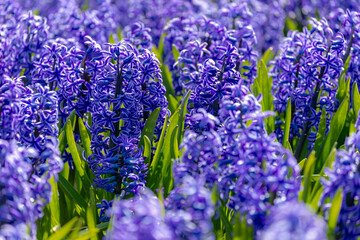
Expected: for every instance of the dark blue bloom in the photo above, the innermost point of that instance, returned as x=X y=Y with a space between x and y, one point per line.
x=307 y=69
x=293 y=220
x=138 y=218
x=189 y=210
x=345 y=175
x=255 y=170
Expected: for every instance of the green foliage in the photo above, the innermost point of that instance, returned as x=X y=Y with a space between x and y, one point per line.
x=262 y=85
x=336 y=125
x=149 y=127
x=72 y=212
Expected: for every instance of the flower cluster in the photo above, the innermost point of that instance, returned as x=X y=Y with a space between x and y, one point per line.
x=125 y=90
x=138 y=218
x=11 y=93
x=23 y=37
x=255 y=171
x=307 y=71
x=17 y=195
x=71 y=23
x=214 y=53
x=189 y=210
x=202 y=148
x=345 y=175
x=293 y=220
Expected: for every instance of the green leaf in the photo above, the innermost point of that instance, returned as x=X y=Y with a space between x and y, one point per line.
x=75 y=230
x=181 y=120
x=80 y=164
x=147 y=149
x=54 y=203
x=320 y=135
x=118 y=33
x=149 y=127
x=355 y=100
x=315 y=199
x=174 y=151
x=309 y=170
x=155 y=167
x=225 y=220
x=336 y=125
x=69 y=190
x=100 y=227
x=173 y=103
x=288 y=146
x=161 y=47
x=268 y=55
x=72 y=118
x=166 y=173
x=263 y=84
x=167 y=80
x=73 y=150
x=175 y=52
x=344 y=87
x=111 y=39
x=62 y=142
x=287 y=124
x=91 y=221
x=85 y=139
x=87 y=235
x=65 y=230
x=328 y=163
x=334 y=211
x=346 y=65
x=290 y=24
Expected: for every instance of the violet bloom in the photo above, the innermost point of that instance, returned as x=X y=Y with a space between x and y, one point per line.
x=11 y=93
x=202 y=147
x=255 y=170
x=125 y=89
x=301 y=10
x=306 y=70
x=21 y=42
x=212 y=56
x=138 y=218
x=17 y=194
x=138 y=35
x=209 y=70
x=351 y=29
x=189 y=210
x=345 y=175
x=293 y=220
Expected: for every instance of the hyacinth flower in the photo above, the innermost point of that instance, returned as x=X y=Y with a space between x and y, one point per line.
x=22 y=42
x=11 y=93
x=293 y=220
x=189 y=210
x=228 y=40
x=138 y=35
x=155 y=13
x=125 y=91
x=301 y=10
x=307 y=71
x=38 y=130
x=267 y=21
x=256 y=172
x=138 y=218
x=17 y=194
x=201 y=149
x=71 y=23
x=208 y=73
x=351 y=30
x=345 y=175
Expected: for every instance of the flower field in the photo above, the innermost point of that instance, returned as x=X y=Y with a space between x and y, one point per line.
x=172 y=119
